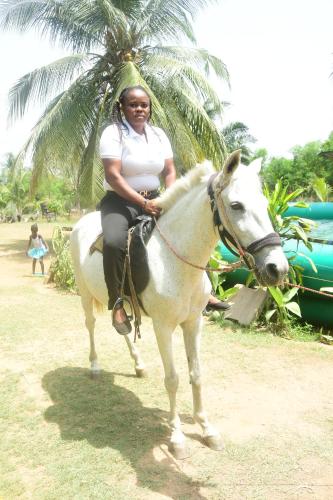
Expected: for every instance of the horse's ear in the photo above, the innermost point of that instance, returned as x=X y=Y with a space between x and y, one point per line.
x=256 y=165
x=231 y=163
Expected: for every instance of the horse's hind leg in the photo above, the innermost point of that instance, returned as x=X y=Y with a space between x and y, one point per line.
x=192 y=333
x=135 y=355
x=87 y=304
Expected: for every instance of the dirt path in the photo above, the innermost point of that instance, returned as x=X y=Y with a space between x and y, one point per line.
x=68 y=437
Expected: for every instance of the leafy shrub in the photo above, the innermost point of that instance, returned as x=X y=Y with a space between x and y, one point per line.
x=290 y=227
x=30 y=207
x=55 y=206
x=217 y=279
x=322 y=189
x=61 y=269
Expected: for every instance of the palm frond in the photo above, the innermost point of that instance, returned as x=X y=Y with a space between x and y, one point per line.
x=188 y=75
x=203 y=128
x=198 y=58
x=162 y=20
x=78 y=26
x=42 y=83
x=90 y=181
x=65 y=125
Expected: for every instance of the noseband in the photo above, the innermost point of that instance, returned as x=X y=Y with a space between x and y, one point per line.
x=247 y=254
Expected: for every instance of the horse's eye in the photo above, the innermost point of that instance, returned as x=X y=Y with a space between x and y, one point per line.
x=235 y=205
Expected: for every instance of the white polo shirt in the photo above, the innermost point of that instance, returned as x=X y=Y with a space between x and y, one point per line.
x=141 y=160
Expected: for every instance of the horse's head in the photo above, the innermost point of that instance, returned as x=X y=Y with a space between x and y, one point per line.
x=242 y=208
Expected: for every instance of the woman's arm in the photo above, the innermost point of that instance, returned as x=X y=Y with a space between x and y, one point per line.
x=169 y=172
x=112 y=168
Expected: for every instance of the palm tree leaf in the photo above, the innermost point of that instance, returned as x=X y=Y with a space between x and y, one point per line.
x=76 y=26
x=187 y=75
x=42 y=83
x=90 y=179
x=162 y=20
x=64 y=128
x=195 y=57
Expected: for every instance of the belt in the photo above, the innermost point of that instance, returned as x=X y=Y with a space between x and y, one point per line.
x=149 y=194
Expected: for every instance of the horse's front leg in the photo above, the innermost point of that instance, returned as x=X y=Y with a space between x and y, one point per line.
x=192 y=334
x=164 y=341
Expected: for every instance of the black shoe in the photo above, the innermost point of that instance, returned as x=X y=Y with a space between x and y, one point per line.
x=123 y=327
x=218 y=306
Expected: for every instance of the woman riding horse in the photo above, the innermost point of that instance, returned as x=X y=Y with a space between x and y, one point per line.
x=134 y=155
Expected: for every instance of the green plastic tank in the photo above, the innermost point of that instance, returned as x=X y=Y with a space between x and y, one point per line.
x=316 y=309
x=315 y=211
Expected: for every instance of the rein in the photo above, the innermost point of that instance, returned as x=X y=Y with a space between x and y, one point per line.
x=223 y=268
x=227 y=237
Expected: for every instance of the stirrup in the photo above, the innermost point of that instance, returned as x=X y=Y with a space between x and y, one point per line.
x=124 y=327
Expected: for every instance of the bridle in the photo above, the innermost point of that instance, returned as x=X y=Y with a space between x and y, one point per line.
x=229 y=238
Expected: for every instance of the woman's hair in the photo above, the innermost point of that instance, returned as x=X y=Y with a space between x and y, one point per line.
x=116 y=110
x=34 y=227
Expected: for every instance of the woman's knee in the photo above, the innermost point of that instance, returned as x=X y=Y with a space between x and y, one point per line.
x=115 y=243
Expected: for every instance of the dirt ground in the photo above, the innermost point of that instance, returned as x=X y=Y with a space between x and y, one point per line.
x=271 y=399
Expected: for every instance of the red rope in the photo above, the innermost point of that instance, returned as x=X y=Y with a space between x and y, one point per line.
x=330 y=295
x=224 y=269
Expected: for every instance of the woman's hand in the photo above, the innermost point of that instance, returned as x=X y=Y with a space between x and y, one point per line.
x=151 y=208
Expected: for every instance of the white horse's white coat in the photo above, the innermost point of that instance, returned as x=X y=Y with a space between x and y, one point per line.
x=177 y=293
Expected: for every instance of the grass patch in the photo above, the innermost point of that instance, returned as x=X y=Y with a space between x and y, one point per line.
x=67 y=436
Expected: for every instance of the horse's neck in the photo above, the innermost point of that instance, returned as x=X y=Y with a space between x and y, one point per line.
x=188 y=226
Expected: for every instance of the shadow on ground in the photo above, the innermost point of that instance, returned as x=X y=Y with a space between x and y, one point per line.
x=107 y=415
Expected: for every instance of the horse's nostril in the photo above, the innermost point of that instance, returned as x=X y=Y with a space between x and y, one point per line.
x=272 y=271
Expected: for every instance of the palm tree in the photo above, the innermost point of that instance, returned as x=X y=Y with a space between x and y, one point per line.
x=8 y=168
x=114 y=44
x=236 y=136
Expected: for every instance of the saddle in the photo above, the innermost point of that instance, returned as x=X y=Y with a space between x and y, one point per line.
x=136 y=270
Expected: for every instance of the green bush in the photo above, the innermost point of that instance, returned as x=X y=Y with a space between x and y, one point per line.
x=61 y=269
x=55 y=206
x=30 y=207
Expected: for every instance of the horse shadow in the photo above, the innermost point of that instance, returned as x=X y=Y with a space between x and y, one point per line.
x=107 y=415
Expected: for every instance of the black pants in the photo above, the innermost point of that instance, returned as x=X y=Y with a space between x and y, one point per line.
x=118 y=215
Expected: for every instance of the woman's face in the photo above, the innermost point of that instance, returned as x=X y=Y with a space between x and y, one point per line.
x=136 y=108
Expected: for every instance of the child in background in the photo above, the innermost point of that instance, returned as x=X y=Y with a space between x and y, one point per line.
x=37 y=248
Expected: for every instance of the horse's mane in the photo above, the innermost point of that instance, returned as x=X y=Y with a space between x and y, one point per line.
x=183 y=185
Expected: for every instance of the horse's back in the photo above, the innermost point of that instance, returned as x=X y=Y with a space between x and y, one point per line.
x=88 y=267
x=84 y=233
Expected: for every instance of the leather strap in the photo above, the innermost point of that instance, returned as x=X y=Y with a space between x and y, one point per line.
x=271 y=239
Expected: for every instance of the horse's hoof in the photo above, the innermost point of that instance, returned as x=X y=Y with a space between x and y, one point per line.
x=94 y=374
x=179 y=451
x=214 y=442
x=141 y=372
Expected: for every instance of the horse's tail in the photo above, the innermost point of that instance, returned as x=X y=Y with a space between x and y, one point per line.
x=98 y=306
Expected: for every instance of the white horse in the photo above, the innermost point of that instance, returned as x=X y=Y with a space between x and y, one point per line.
x=177 y=293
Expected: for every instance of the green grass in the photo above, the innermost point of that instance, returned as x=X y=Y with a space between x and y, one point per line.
x=64 y=435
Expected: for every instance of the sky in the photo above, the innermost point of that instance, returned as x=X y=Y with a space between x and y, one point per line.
x=279 y=54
